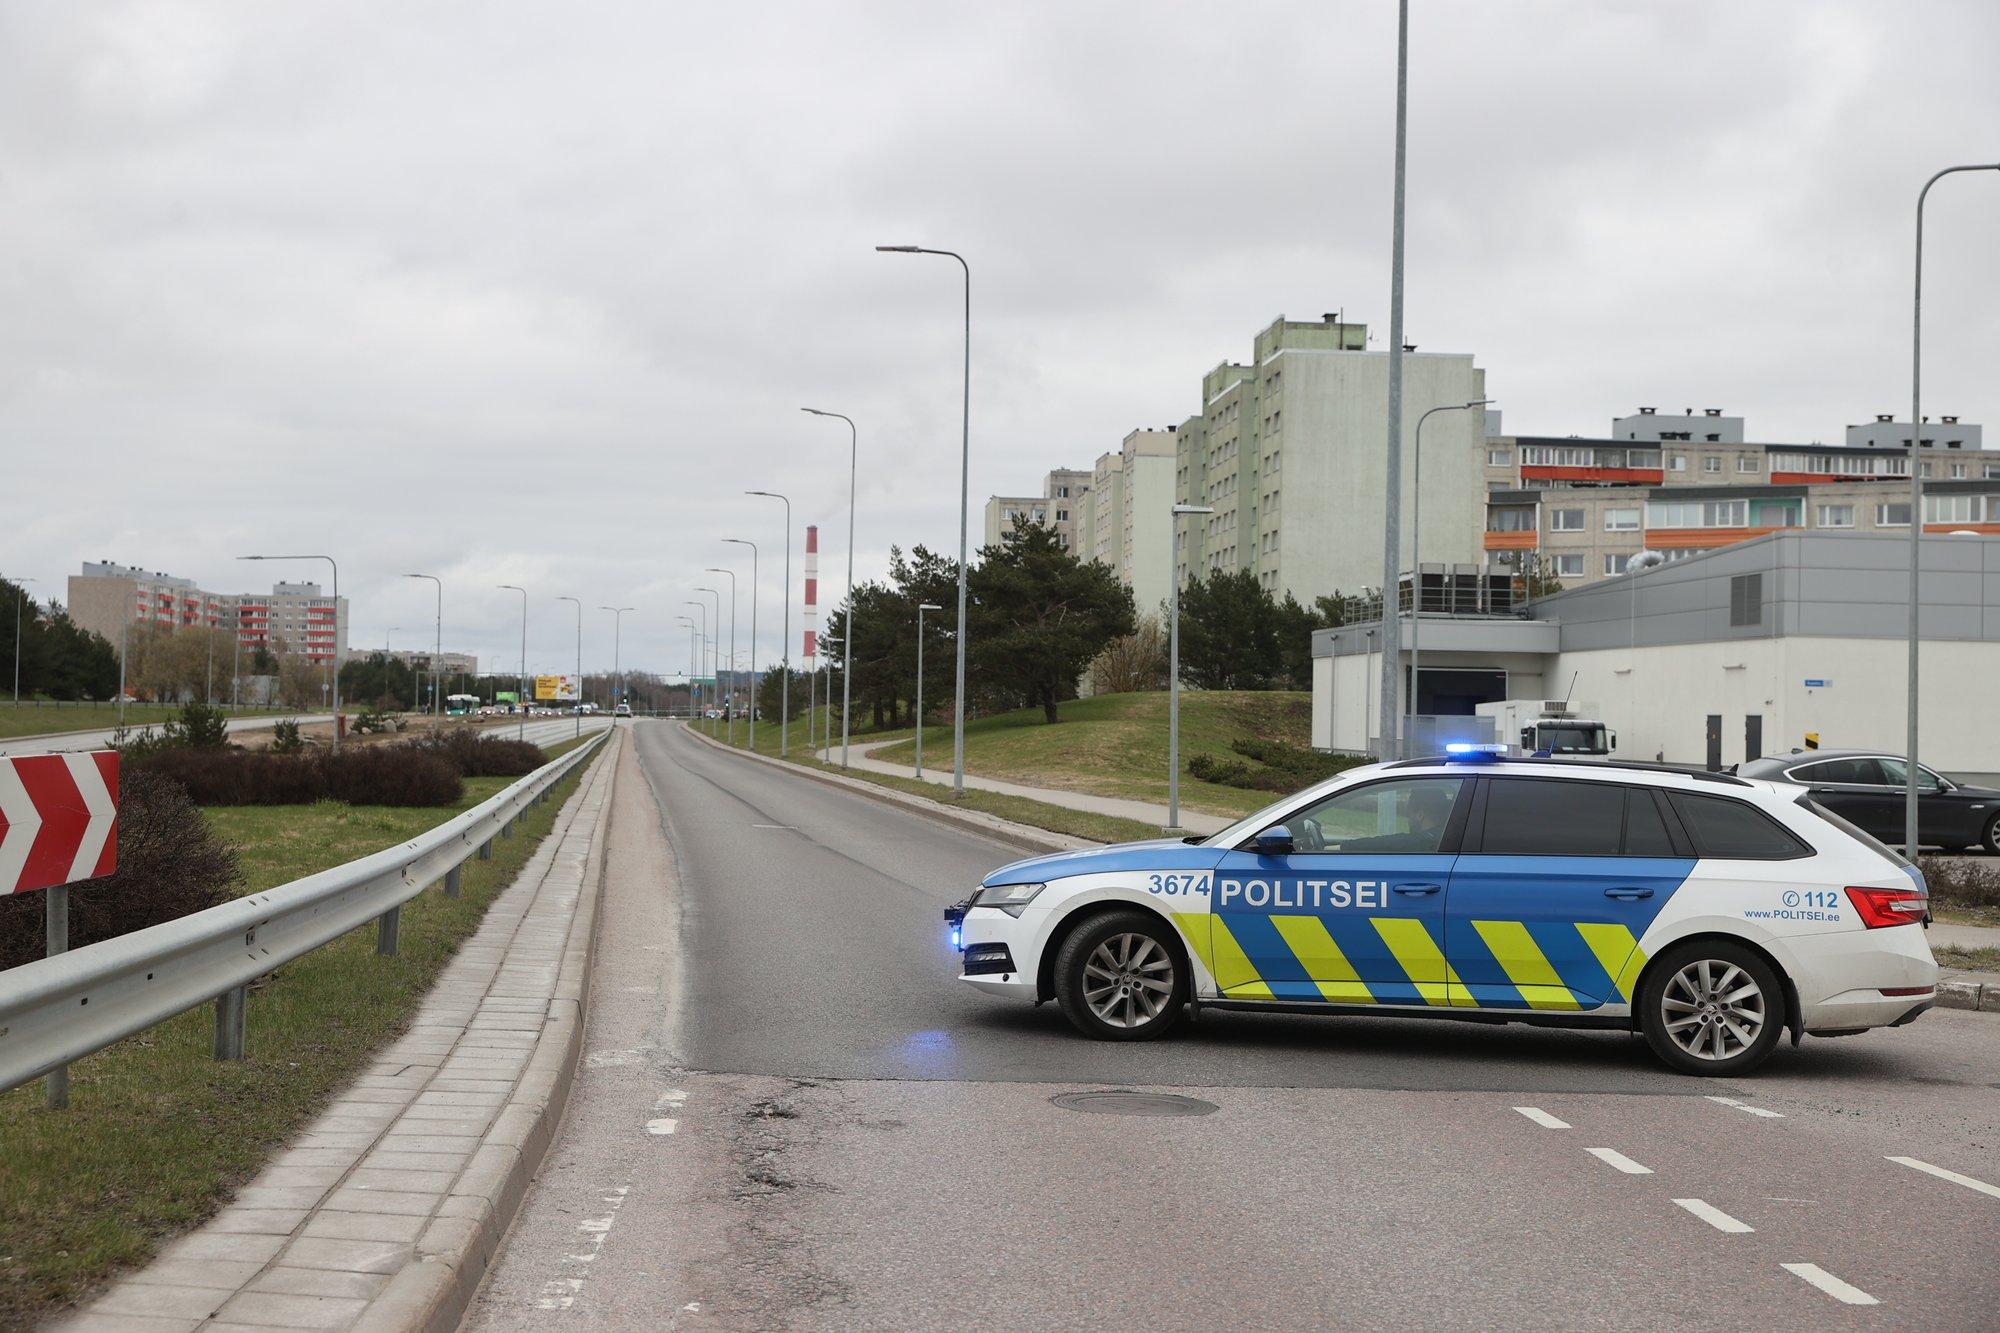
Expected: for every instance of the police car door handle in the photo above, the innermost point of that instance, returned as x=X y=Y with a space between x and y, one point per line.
x=1418 y=888
x=1628 y=893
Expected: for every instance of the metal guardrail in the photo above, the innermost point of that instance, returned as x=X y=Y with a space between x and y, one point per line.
x=57 y=1010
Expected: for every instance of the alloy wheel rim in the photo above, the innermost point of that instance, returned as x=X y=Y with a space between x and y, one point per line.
x=1713 y=1010
x=1128 y=980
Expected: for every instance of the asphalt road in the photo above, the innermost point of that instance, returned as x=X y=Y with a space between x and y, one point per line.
x=792 y=1116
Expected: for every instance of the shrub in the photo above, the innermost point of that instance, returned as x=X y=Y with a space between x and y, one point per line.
x=169 y=864
x=1274 y=766
x=1957 y=883
x=477 y=756
x=359 y=775
x=376 y=720
x=389 y=775
x=199 y=727
x=285 y=738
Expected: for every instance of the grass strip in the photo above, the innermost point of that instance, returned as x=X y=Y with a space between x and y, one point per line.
x=1968 y=958
x=157 y=1133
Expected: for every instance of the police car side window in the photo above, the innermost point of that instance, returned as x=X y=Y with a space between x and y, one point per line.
x=1735 y=830
x=1547 y=817
x=1402 y=815
x=1645 y=831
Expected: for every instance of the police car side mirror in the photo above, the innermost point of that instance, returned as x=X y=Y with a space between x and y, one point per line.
x=1274 y=841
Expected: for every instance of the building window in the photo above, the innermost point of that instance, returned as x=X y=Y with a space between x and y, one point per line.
x=1746 y=599
x=1510 y=518
x=1747 y=463
x=1566 y=520
x=1957 y=508
x=1568 y=566
x=1678 y=463
x=1958 y=469
x=1615 y=564
x=1621 y=520
x=1711 y=464
x=1698 y=513
x=1892 y=515
x=1836 y=516
x=1499 y=457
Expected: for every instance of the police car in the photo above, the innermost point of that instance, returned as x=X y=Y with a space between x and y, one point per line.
x=1709 y=912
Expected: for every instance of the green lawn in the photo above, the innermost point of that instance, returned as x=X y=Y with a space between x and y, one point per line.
x=1116 y=744
x=50 y=719
x=1982 y=958
x=157 y=1133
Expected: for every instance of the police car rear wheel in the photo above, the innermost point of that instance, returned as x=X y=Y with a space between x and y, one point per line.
x=1713 y=1008
x=1120 y=978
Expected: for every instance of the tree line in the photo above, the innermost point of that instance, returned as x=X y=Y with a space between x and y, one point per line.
x=59 y=659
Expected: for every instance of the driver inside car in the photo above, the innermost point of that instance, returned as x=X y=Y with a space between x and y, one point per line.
x=1425 y=813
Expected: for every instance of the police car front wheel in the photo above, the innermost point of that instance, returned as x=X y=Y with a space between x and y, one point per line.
x=1120 y=977
x=1712 y=1007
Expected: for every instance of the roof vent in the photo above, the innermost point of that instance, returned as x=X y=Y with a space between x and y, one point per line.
x=1711 y=411
x=1883 y=418
x=1647 y=411
x=1949 y=421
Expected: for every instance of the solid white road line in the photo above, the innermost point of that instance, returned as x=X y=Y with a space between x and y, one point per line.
x=1542 y=1118
x=1831 y=1285
x=1612 y=1157
x=1753 y=1110
x=1943 y=1174
x=1715 y=1217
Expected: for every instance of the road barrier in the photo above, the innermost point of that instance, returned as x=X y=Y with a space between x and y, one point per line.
x=60 y=1009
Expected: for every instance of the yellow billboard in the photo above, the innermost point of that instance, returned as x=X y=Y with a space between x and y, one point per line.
x=555 y=689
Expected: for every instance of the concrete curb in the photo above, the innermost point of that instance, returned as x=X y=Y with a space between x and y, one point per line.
x=1963 y=992
x=457 y=1248
x=1023 y=836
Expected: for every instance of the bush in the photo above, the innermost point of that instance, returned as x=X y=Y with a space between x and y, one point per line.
x=1274 y=766
x=359 y=775
x=1956 y=883
x=376 y=720
x=477 y=756
x=169 y=864
x=285 y=738
x=199 y=727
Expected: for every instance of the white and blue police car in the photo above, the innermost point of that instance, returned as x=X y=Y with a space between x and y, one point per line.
x=1709 y=912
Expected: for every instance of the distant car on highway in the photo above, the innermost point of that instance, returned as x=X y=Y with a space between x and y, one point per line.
x=622 y=710
x=1711 y=913
x=1868 y=787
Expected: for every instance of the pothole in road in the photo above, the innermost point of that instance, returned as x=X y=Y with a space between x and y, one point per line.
x=1123 y=1101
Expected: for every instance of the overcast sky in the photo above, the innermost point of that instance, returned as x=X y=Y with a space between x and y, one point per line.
x=531 y=293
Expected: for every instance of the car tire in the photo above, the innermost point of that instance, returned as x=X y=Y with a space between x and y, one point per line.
x=1110 y=974
x=1699 y=1015
x=1992 y=838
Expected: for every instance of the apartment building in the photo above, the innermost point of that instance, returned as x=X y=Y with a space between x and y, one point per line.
x=448 y=663
x=1062 y=505
x=1579 y=509
x=108 y=598
x=1289 y=451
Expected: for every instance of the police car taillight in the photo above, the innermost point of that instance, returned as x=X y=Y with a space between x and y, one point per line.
x=1888 y=907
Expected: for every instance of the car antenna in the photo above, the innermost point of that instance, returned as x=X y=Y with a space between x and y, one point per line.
x=1568 y=692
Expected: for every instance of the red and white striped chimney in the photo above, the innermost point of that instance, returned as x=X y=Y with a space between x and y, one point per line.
x=812 y=596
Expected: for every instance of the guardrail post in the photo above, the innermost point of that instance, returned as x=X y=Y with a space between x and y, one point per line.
x=486 y=850
x=507 y=829
x=389 y=931
x=229 y=1023
x=56 y=922
x=452 y=880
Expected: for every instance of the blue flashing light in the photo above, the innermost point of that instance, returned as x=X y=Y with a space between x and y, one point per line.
x=955 y=938
x=1466 y=752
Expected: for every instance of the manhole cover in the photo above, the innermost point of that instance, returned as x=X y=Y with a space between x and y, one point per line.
x=1119 y=1101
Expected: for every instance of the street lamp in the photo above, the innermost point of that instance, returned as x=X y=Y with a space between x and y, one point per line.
x=577 y=706
x=617 y=634
x=921 y=608
x=847 y=670
x=706 y=654
x=521 y=681
x=715 y=650
x=693 y=661
x=20 y=597
x=785 y=657
x=336 y=631
x=1392 y=512
x=1417 y=537
x=738 y=541
x=1917 y=502
x=388 y=653
x=1174 y=662
x=731 y=695
x=964 y=502
x=437 y=661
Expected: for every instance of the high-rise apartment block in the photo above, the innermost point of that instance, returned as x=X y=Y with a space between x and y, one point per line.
x=294 y=617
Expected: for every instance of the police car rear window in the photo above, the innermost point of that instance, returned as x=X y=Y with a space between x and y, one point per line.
x=1854 y=831
x=1735 y=830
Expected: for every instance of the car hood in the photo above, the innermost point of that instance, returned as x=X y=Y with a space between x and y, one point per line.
x=1154 y=854
x=1976 y=793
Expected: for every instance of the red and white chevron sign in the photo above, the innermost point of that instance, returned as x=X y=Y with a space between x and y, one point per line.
x=58 y=819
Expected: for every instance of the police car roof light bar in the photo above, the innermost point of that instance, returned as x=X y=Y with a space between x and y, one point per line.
x=1465 y=752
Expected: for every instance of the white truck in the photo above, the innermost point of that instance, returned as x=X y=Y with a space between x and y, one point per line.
x=1549 y=726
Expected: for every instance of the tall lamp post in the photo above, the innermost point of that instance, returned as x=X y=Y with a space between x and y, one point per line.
x=785 y=657
x=921 y=608
x=738 y=541
x=1917 y=502
x=731 y=695
x=964 y=510
x=437 y=660
x=521 y=681
x=577 y=707
x=1174 y=661
x=617 y=635
x=20 y=597
x=706 y=641
x=847 y=666
x=336 y=630
x=692 y=631
x=1417 y=537
x=715 y=650
x=1392 y=514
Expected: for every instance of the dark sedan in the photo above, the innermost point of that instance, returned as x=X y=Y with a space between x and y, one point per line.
x=1866 y=788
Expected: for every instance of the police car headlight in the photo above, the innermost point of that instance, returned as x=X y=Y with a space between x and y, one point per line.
x=1009 y=898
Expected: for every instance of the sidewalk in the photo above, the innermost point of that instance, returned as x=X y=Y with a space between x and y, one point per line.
x=387 y=1211
x=860 y=756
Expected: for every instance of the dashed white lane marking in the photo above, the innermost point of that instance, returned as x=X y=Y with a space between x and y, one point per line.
x=560 y=1293
x=1542 y=1118
x=1753 y=1110
x=612 y=1059
x=1943 y=1174
x=1612 y=1157
x=1715 y=1217
x=670 y=1100
x=793 y=827
x=1831 y=1285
